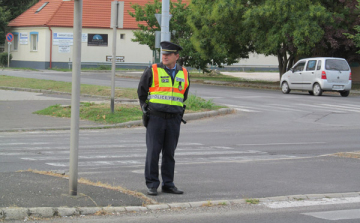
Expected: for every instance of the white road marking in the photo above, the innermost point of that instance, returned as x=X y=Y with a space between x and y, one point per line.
x=245 y=110
x=336 y=215
x=282 y=144
x=327 y=107
x=341 y=107
x=241 y=108
x=306 y=203
x=280 y=108
x=142 y=155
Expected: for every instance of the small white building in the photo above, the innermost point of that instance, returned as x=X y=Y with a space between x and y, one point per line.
x=43 y=35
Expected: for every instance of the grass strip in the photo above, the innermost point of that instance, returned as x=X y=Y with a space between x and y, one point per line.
x=101 y=113
x=61 y=86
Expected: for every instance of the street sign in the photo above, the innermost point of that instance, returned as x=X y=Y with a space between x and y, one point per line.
x=9 y=37
x=117 y=14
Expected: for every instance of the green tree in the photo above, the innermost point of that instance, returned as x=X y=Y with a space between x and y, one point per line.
x=9 y=10
x=218 y=30
x=180 y=30
x=288 y=29
x=340 y=37
x=4 y=18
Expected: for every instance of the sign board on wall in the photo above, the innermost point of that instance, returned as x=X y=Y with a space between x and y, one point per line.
x=118 y=59
x=24 y=38
x=67 y=39
x=97 y=39
x=64 y=49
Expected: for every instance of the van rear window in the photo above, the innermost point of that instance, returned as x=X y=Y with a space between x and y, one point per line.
x=334 y=64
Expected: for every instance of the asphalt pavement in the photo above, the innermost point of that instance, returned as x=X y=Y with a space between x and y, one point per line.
x=33 y=194
x=39 y=194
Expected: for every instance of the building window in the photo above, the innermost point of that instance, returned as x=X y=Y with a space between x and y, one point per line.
x=122 y=36
x=16 y=41
x=39 y=9
x=34 y=37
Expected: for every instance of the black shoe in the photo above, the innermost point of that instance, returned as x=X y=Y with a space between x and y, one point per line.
x=152 y=191
x=172 y=190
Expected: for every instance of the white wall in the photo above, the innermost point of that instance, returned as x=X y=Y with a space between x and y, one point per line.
x=24 y=53
x=132 y=51
x=259 y=60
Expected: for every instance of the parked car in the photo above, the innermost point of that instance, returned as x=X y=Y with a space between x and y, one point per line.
x=317 y=75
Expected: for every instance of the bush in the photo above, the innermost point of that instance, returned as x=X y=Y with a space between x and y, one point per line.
x=4 y=59
x=196 y=103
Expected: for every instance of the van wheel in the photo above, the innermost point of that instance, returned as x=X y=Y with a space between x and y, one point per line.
x=311 y=93
x=317 y=90
x=344 y=93
x=285 y=88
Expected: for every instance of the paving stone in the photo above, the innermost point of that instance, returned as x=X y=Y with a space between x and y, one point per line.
x=198 y=204
x=315 y=196
x=238 y=201
x=15 y=213
x=158 y=206
x=89 y=210
x=109 y=209
x=221 y=202
x=67 y=212
x=179 y=205
x=136 y=208
x=45 y=212
x=353 y=194
x=119 y=209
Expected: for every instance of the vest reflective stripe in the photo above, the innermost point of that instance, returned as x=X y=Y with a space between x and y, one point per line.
x=156 y=75
x=164 y=97
x=163 y=91
x=186 y=81
x=167 y=89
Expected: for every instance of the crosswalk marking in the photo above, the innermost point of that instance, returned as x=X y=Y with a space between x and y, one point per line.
x=296 y=107
x=104 y=155
x=308 y=203
x=336 y=215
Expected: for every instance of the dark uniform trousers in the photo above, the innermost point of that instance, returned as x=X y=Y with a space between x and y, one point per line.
x=162 y=135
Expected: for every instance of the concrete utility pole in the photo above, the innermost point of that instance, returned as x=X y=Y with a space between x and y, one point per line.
x=75 y=98
x=165 y=22
x=113 y=67
x=117 y=15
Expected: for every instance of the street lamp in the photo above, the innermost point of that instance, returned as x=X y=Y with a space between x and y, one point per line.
x=75 y=98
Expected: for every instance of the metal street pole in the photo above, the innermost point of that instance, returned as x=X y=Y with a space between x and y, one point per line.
x=165 y=18
x=75 y=98
x=115 y=19
x=9 y=47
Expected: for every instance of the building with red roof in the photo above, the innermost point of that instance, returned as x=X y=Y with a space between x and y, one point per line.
x=43 y=35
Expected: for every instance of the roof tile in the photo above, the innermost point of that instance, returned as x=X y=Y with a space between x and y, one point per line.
x=96 y=14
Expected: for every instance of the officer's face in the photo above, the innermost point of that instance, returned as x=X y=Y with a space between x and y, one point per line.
x=169 y=60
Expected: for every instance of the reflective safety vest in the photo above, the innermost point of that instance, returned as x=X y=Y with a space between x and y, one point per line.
x=162 y=91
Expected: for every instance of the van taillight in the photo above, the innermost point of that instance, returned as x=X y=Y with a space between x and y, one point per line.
x=350 y=77
x=323 y=75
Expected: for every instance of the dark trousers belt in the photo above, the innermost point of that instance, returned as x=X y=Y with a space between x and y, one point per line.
x=164 y=115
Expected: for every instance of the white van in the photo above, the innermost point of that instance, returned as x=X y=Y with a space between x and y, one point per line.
x=317 y=75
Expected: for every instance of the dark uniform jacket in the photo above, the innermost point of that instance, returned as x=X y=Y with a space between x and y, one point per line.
x=145 y=84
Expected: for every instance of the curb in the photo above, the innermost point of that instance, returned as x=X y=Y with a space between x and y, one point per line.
x=187 y=117
x=49 y=212
x=65 y=93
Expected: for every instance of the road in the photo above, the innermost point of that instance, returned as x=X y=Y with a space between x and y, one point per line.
x=274 y=145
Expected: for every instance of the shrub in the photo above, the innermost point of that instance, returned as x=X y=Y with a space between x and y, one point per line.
x=4 y=59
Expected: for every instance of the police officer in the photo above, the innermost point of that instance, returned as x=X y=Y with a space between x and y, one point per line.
x=162 y=90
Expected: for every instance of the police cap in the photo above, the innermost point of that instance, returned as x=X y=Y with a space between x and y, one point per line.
x=169 y=47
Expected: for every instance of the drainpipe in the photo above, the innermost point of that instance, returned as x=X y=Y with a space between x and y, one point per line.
x=50 y=46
